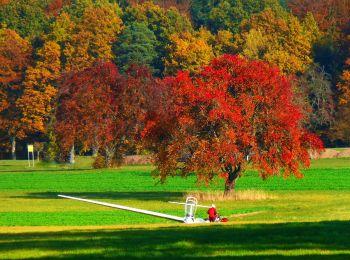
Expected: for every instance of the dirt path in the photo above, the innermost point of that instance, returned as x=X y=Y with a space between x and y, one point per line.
x=332 y=153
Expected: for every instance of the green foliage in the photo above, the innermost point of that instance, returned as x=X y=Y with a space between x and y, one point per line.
x=136 y=45
x=122 y=3
x=26 y=17
x=77 y=8
x=283 y=3
x=51 y=148
x=222 y=43
x=163 y=23
x=61 y=29
x=227 y=15
x=328 y=54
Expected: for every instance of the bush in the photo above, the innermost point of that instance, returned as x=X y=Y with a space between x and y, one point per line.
x=99 y=162
x=51 y=150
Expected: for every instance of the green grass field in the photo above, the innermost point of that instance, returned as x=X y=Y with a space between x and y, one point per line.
x=307 y=217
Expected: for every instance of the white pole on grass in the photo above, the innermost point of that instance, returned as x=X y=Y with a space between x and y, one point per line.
x=182 y=203
x=147 y=212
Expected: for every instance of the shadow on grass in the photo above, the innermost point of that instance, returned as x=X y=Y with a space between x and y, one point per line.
x=146 y=196
x=310 y=240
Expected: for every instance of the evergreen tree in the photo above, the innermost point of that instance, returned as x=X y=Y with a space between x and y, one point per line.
x=136 y=45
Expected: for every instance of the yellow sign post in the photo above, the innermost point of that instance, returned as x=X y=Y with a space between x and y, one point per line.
x=30 y=148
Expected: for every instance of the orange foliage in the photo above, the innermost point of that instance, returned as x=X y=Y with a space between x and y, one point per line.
x=15 y=56
x=344 y=84
x=329 y=14
x=36 y=103
x=55 y=6
x=342 y=125
x=4 y=2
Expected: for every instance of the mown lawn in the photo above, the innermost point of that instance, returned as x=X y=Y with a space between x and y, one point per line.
x=300 y=217
x=326 y=240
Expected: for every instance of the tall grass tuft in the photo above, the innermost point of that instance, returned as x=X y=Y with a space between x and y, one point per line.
x=251 y=195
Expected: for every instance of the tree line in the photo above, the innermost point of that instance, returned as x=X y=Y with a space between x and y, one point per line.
x=48 y=46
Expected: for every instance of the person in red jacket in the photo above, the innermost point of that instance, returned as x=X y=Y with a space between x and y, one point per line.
x=212 y=213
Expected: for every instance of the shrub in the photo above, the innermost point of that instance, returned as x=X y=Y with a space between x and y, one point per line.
x=99 y=162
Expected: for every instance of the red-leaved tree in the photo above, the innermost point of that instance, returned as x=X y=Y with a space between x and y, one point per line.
x=55 y=6
x=101 y=108
x=329 y=14
x=234 y=112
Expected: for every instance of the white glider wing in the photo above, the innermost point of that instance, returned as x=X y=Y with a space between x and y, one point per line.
x=147 y=212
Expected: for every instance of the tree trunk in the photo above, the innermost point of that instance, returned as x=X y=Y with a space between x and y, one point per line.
x=109 y=155
x=71 y=155
x=95 y=147
x=94 y=151
x=233 y=174
x=13 y=148
x=229 y=187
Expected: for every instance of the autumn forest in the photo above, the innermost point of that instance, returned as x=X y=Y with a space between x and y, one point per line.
x=265 y=80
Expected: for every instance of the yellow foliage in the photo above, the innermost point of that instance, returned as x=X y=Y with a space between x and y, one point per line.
x=88 y=39
x=104 y=25
x=255 y=44
x=77 y=53
x=188 y=52
x=279 y=39
x=61 y=29
x=223 y=43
